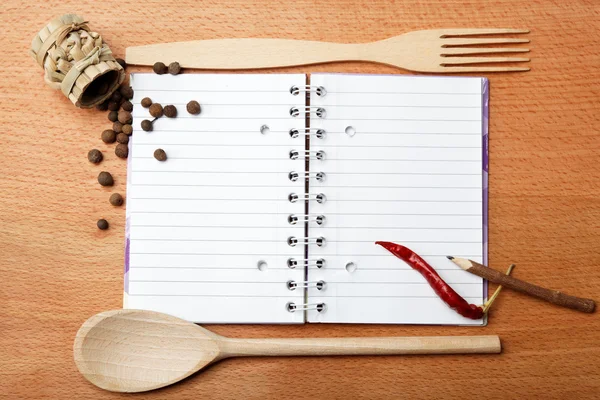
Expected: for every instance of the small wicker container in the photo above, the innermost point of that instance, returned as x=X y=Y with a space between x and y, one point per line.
x=76 y=61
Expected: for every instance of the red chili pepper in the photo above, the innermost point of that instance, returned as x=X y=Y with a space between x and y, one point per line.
x=441 y=288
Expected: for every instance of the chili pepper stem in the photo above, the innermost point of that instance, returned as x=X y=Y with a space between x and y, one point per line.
x=488 y=304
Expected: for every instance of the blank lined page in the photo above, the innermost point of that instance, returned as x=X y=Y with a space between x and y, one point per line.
x=207 y=228
x=403 y=164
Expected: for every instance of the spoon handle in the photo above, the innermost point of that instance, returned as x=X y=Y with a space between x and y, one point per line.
x=361 y=346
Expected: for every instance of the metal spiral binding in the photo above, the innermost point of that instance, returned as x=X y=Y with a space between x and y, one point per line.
x=293 y=219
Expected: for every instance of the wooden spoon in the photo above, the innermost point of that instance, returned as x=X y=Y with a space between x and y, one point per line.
x=136 y=351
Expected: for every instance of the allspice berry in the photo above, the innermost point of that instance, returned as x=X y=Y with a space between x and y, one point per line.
x=146 y=102
x=170 y=111
x=174 y=68
x=102 y=224
x=116 y=199
x=126 y=92
x=122 y=150
x=116 y=96
x=123 y=138
x=105 y=179
x=117 y=127
x=121 y=62
x=193 y=107
x=127 y=129
x=113 y=105
x=109 y=136
x=160 y=155
x=113 y=116
x=95 y=156
x=159 y=68
x=125 y=117
x=156 y=110
x=127 y=106
x=147 y=125
x=102 y=106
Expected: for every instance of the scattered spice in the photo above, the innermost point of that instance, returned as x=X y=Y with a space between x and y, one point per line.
x=105 y=179
x=170 y=111
x=116 y=199
x=102 y=106
x=121 y=62
x=113 y=116
x=127 y=129
x=126 y=92
x=193 y=107
x=147 y=125
x=109 y=136
x=146 y=102
x=113 y=106
x=174 y=68
x=440 y=287
x=156 y=110
x=123 y=138
x=160 y=155
x=125 y=117
x=122 y=150
x=116 y=96
x=159 y=68
x=127 y=106
x=102 y=224
x=95 y=156
x=117 y=127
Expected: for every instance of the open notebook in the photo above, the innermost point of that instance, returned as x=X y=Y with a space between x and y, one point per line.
x=271 y=200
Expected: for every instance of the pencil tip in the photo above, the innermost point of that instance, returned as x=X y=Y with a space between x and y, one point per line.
x=450 y=257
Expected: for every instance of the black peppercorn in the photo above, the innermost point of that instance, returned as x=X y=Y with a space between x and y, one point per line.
x=147 y=125
x=174 y=68
x=193 y=107
x=126 y=92
x=127 y=129
x=105 y=179
x=117 y=127
x=122 y=151
x=102 y=224
x=170 y=111
x=122 y=138
x=113 y=105
x=159 y=68
x=102 y=106
x=116 y=96
x=156 y=110
x=113 y=116
x=121 y=62
x=127 y=106
x=160 y=155
x=95 y=156
x=109 y=136
x=116 y=199
x=125 y=117
x=146 y=102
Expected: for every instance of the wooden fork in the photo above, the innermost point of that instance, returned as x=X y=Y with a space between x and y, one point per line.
x=433 y=50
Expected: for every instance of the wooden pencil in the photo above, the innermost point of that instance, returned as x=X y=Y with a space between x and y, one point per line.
x=552 y=296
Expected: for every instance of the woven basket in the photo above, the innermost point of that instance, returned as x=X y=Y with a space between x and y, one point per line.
x=76 y=61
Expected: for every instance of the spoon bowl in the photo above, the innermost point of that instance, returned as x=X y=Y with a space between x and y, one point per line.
x=137 y=351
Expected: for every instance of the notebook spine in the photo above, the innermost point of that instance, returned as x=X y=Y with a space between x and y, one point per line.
x=307 y=111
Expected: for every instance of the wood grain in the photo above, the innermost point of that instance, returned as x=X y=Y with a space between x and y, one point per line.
x=57 y=269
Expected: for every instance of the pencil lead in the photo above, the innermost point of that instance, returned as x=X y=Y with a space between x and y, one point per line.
x=450 y=257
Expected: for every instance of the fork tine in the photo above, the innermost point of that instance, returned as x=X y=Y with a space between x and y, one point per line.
x=466 y=41
x=451 y=69
x=451 y=51
x=480 y=60
x=480 y=31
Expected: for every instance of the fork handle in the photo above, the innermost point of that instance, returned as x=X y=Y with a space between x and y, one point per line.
x=245 y=53
x=361 y=346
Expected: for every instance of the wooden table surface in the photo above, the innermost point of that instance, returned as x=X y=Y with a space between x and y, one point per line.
x=57 y=268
